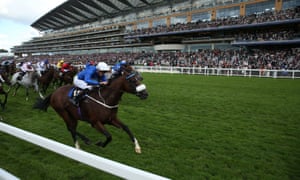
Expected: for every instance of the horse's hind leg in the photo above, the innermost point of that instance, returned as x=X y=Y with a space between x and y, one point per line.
x=73 y=134
x=71 y=124
x=117 y=123
x=5 y=101
x=27 y=93
x=102 y=129
x=5 y=98
x=82 y=137
x=2 y=104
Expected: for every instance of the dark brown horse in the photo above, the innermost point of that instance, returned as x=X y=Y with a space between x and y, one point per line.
x=3 y=79
x=100 y=106
x=45 y=80
x=60 y=78
x=9 y=67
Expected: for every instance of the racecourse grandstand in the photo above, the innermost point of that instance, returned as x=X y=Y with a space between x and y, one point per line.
x=176 y=31
x=94 y=26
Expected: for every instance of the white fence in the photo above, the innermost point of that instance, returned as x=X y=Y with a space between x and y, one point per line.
x=222 y=71
x=92 y=160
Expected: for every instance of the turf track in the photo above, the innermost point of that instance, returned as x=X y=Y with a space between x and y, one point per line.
x=191 y=127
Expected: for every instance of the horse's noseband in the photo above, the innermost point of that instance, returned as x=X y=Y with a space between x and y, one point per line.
x=137 y=77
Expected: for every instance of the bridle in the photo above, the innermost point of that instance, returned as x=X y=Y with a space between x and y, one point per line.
x=132 y=78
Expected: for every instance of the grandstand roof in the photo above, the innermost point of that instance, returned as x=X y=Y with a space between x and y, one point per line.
x=77 y=12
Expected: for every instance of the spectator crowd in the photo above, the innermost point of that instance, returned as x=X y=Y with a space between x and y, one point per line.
x=211 y=58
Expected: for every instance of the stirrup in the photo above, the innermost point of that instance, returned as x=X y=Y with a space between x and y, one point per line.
x=74 y=102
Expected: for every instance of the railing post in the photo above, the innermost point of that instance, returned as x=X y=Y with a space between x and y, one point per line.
x=275 y=74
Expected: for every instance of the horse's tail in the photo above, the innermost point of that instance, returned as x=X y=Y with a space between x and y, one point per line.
x=42 y=104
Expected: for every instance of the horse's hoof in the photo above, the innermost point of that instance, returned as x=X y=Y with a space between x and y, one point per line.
x=138 y=150
x=87 y=142
x=99 y=144
x=77 y=146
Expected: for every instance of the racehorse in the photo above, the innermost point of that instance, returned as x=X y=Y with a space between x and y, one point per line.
x=9 y=67
x=100 y=106
x=3 y=79
x=46 y=78
x=67 y=77
x=30 y=79
x=60 y=78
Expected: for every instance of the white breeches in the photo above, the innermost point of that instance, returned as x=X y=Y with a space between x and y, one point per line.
x=81 y=84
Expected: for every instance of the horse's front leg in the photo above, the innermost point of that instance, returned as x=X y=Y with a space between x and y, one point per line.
x=27 y=93
x=5 y=100
x=2 y=104
x=117 y=123
x=36 y=87
x=17 y=86
x=2 y=92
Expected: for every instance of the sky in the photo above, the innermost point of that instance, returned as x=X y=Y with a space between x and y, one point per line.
x=16 y=16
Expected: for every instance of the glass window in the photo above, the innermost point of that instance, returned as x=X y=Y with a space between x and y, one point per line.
x=205 y=16
x=159 y=22
x=228 y=12
x=288 y=4
x=179 y=19
x=142 y=25
x=258 y=8
x=129 y=27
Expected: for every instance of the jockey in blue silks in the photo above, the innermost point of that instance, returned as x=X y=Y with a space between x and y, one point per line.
x=117 y=68
x=89 y=77
x=42 y=66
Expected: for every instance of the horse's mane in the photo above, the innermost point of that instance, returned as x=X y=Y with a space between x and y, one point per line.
x=113 y=78
x=116 y=76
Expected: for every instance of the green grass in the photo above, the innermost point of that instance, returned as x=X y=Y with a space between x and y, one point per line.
x=190 y=127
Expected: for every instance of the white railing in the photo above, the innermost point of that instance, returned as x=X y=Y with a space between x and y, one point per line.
x=7 y=176
x=92 y=160
x=221 y=71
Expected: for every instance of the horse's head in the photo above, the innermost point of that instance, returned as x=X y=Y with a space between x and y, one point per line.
x=4 y=78
x=133 y=82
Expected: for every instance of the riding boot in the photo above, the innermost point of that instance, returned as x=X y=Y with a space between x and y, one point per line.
x=79 y=97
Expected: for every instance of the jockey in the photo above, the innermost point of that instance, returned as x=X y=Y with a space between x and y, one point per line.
x=59 y=64
x=117 y=68
x=89 y=77
x=26 y=67
x=66 y=67
x=42 y=66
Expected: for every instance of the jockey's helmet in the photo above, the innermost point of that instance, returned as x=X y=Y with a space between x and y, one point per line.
x=66 y=65
x=123 y=62
x=102 y=66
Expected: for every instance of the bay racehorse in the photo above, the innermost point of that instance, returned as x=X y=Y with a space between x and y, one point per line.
x=46 y=78
x=30 y=79
x=60 y=78
x=3 y=79
x=99 y=107
x=9 y=67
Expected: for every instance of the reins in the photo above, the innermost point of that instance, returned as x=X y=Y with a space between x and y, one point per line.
x=132 y=74
x=101 y=103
